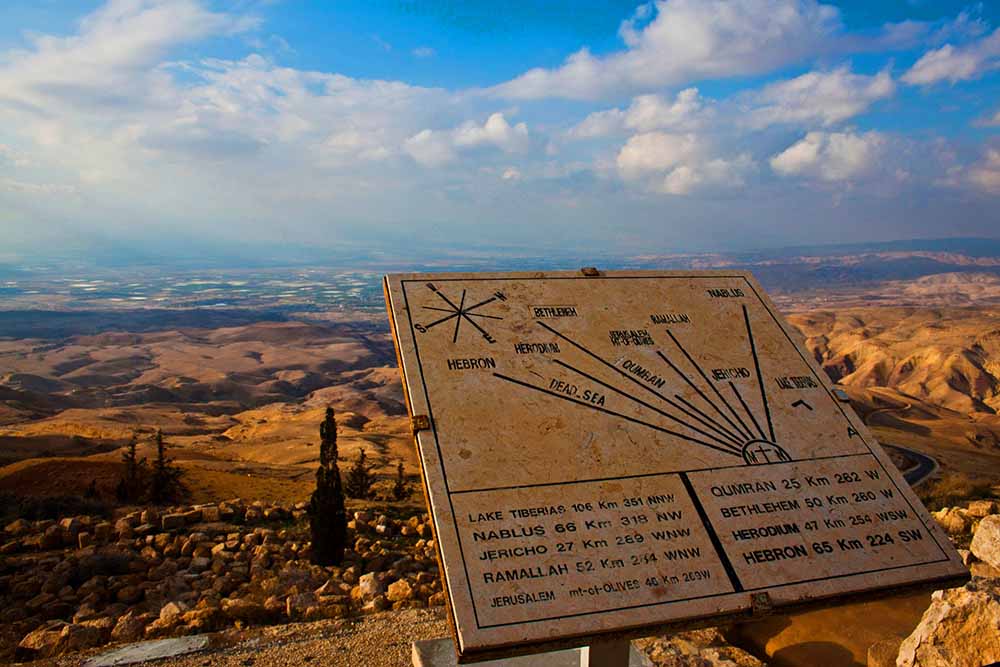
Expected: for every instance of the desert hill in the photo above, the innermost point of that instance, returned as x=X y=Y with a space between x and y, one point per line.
x=240 y=405
x=945 y=356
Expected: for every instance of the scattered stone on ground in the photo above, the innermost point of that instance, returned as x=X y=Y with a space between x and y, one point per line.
x=153 y=574
x=241 y=572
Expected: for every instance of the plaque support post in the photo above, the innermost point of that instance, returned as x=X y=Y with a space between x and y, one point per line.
x=606 y=653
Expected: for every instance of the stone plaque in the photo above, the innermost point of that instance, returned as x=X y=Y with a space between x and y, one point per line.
x=629 y=449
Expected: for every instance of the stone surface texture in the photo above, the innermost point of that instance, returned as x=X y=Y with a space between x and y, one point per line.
x=961 y=628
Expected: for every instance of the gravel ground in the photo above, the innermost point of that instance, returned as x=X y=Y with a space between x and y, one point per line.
x=380 y=640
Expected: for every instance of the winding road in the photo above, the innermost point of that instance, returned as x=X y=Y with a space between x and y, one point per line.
x=926 y=465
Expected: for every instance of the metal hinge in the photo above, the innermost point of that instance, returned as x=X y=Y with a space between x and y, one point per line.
x=419 y=423
x=590 y=271
x=760 y=604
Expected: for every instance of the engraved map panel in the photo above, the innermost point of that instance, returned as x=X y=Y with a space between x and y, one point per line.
x=634 y=449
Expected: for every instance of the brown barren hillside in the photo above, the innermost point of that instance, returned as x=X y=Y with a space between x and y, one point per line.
x=945 y=356
x=240 y=406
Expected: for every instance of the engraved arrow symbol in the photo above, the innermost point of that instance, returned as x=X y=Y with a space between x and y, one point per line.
x=801 y=402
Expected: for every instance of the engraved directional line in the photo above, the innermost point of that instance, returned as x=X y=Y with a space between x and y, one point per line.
x=461 y=312
x=647 y=405
x=616 y=414
x=718 y=428
x=635 y=382
x=745 y=407
x=739 y=434
x=744 y=432
x=760 y=377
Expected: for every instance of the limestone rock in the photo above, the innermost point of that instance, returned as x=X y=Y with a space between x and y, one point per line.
x=986 y=542
x=172 y=610
x=77 y=636
x=237 y=609
x=981 y=508
x=953 y=520
x=41 y=643
x=959 y=629
x=399 y=590
x=18 y=528
x=368 y=587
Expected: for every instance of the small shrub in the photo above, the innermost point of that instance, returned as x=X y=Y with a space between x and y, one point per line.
x=953 y=488
x=360 y=478
x=401 y=488
x=34 y=508
x=165 y=482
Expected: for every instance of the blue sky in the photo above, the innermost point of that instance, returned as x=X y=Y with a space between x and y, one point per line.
x=649 y=128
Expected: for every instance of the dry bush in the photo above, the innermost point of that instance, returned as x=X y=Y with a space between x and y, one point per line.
x=953 y=488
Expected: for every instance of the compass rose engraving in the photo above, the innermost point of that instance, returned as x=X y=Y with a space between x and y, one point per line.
x=460 y=313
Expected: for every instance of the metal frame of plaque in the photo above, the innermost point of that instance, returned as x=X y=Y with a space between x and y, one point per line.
x=606 y=453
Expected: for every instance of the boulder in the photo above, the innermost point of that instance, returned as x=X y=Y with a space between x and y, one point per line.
x=959 y=629
x=173 y=521
x=297 y=605
x=18 y=528
x=986 y=542
x=399 y=590
x=368 y=587
x=981 y=508
x=129 y=594
x=78 y=636
x=210 y=513
x=40 y=643
x=172 y=610
x=379 y=603
x=130 y=627
x=200 y=564
x=953 y=520
x=246 y=611
x=103 y=531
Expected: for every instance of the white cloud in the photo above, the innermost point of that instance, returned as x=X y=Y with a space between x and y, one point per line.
x=825 y=98
x=992 y=121
x=111 y=61
x=688 y=40
x=655 y=151
x=511 y=174
x=646 y=113
x=423 y=52
x=678 y=164
x=730 y=173
x=956 y=63
x=435 y=148
x=985 y=174
x=430 y=148
x=830 y=156
x=496 y=131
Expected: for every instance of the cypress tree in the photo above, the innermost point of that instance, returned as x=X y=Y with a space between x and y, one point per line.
x=327 y=514
x=129 y=487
